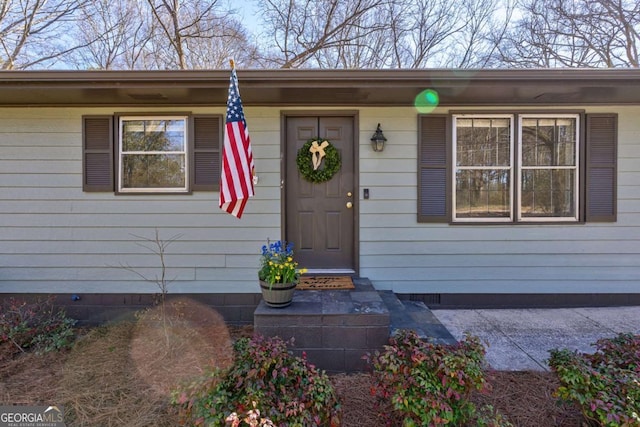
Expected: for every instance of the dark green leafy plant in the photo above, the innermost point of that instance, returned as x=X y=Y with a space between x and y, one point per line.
x=331 y=161
x=289 y=390
x=36 y=326
x=429 y=384
x=606 y=384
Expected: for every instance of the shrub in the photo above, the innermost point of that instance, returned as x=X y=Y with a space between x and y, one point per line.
x=606 y=384
x=35 y=325
x=290 y=391
x=429 y=384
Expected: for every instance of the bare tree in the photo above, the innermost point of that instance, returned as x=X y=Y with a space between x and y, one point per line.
x=303 y=29
x=623 y=17
x=447 y=34
x=487 y=22
x=579 y=33
x=360 y=47
x=431 y=27
x=195 y=34
x=33 y=32
x=159 y=34
x=231 y=42
x=198 y=34
x=115 y=32
x=382 y=33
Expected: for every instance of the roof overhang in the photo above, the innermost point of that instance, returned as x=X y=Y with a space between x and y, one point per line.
x=321 y=87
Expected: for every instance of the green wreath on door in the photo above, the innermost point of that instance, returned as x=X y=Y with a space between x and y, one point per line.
x=318 y=160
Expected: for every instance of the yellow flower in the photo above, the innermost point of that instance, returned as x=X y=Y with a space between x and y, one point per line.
x=277 y=277
x=289 y=259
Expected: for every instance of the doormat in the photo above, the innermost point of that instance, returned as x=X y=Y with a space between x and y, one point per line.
x=316 y=283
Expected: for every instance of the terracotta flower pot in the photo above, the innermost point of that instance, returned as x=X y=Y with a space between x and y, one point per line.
x=280 y=294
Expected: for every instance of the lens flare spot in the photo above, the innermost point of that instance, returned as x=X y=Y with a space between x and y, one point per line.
x=426 y=101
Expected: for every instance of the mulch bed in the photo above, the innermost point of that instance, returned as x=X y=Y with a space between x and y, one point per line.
x=104 y=382
x=524 y=398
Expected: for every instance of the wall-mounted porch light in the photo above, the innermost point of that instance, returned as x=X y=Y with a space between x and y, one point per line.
x=378 y=140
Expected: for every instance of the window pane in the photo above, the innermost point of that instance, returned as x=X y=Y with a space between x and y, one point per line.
x=483 y=142
x=548 y=193
x=153 y=135
x=482 y=193
x=549 y=142
x=133 y=135
x=153 y=171
x=170 y=133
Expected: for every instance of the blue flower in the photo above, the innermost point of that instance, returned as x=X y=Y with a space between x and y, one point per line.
x=277 y=264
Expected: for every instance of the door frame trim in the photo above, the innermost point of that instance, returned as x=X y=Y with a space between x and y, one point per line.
x=355 y=114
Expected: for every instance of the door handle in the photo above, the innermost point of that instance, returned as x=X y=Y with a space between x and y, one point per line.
x=349 y=205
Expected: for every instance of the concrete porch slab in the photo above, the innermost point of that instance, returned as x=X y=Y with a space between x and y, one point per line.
x=520 y=339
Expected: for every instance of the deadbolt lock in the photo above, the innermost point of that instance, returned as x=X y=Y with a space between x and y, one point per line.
x=349 y=194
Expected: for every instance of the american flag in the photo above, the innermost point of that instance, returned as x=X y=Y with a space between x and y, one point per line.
x=236 y=181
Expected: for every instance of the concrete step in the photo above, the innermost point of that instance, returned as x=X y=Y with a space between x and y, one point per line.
x=334 y=328
x=414 y=315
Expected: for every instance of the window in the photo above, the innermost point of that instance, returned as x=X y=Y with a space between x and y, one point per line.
x=484 y=168
x=151 y=154
x=546 y=147
x=548 y=178
x=517 y=168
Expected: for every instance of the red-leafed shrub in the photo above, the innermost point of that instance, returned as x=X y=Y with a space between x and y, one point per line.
x=606 y=384
x=430 y=384
x=36 y=326
x=288 y=390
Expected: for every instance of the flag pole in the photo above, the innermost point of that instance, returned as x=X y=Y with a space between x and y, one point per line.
x=232 y=63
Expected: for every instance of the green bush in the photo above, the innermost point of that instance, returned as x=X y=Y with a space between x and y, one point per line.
x=289 y=390
x=429 y=384
x=606 y=384
x=36 y=326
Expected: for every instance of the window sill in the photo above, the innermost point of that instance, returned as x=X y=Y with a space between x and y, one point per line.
x=153 y=193
x=515 y=223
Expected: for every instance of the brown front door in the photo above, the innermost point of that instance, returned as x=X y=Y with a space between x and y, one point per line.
x=320 y=216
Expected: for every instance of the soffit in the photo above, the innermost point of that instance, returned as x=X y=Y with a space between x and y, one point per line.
x=321 y=87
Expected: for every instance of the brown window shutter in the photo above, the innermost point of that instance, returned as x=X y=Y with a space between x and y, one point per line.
x=434 y=178
x=207 y=134
x=601 y=171
x=97 y=158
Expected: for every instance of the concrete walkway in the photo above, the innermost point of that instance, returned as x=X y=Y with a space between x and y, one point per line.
x=520 y=339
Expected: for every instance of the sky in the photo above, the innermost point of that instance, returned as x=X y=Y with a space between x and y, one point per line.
x=248 y=11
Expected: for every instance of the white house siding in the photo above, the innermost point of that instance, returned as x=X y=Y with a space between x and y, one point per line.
x=55 y=238
x=398 y=253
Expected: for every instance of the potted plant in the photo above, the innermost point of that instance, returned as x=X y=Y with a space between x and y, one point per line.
x=278 y=273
